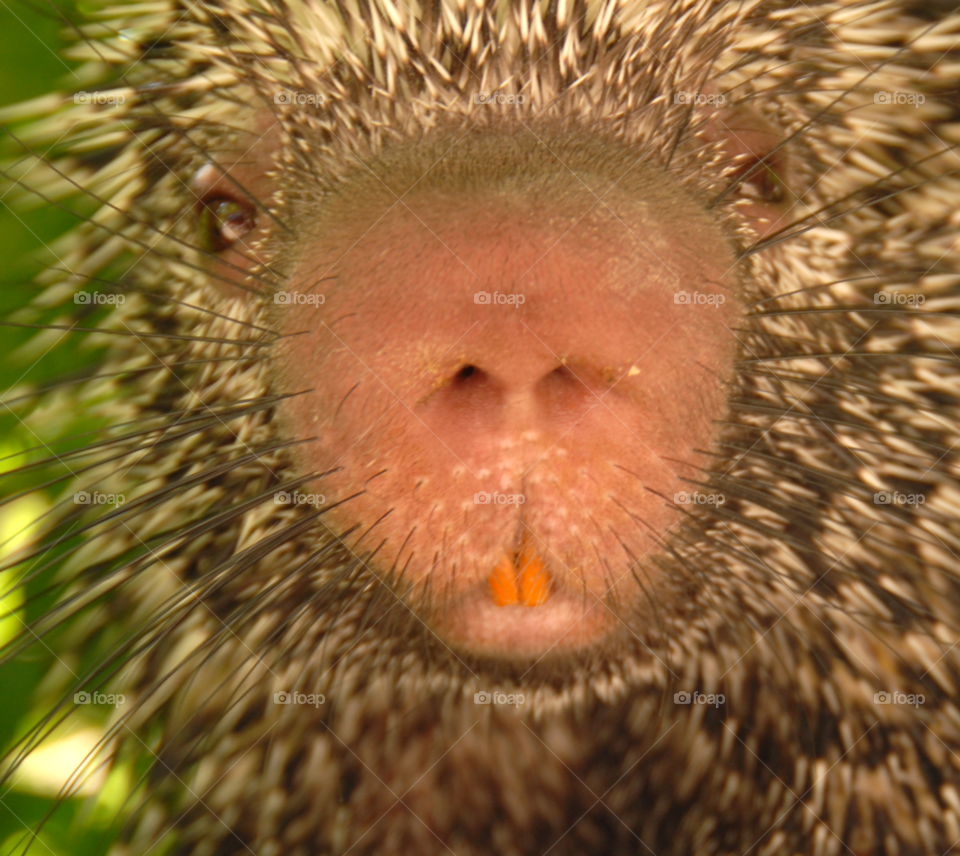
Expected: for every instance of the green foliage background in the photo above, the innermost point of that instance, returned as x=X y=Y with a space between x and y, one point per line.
x=31 y=38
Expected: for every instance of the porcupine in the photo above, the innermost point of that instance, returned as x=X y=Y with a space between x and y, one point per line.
x=785 y=144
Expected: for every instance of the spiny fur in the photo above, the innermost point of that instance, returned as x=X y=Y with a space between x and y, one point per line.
x=802 y=598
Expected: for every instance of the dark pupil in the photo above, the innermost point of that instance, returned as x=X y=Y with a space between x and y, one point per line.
x=762 y=183
x=217 y=214
x=770 y=188
x=230 y=212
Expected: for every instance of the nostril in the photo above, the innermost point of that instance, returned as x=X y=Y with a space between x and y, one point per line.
x=564 y=394
x=469 y=380
x=469 y=393
x=562 y=381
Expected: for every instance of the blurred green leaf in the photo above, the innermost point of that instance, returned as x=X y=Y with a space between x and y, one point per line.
x=31 y=38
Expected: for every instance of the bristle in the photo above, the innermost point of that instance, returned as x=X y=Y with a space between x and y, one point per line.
x=799 y=599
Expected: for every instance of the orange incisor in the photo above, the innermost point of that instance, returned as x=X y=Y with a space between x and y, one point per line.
x=523 y=580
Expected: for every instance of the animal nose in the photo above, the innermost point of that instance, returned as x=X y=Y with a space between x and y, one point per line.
x=507 y=403
x=516 y=386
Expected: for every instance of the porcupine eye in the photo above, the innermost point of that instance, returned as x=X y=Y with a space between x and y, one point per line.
x=760 y=164
x=761 y=168
x=224 y=221
x=762 y=182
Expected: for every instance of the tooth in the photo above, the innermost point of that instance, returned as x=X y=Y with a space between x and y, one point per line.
x=525 y=580
x=503 y=586
x=534 y=578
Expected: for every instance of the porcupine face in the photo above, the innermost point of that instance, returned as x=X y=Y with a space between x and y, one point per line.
x=513 y=463
x=589 y=356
